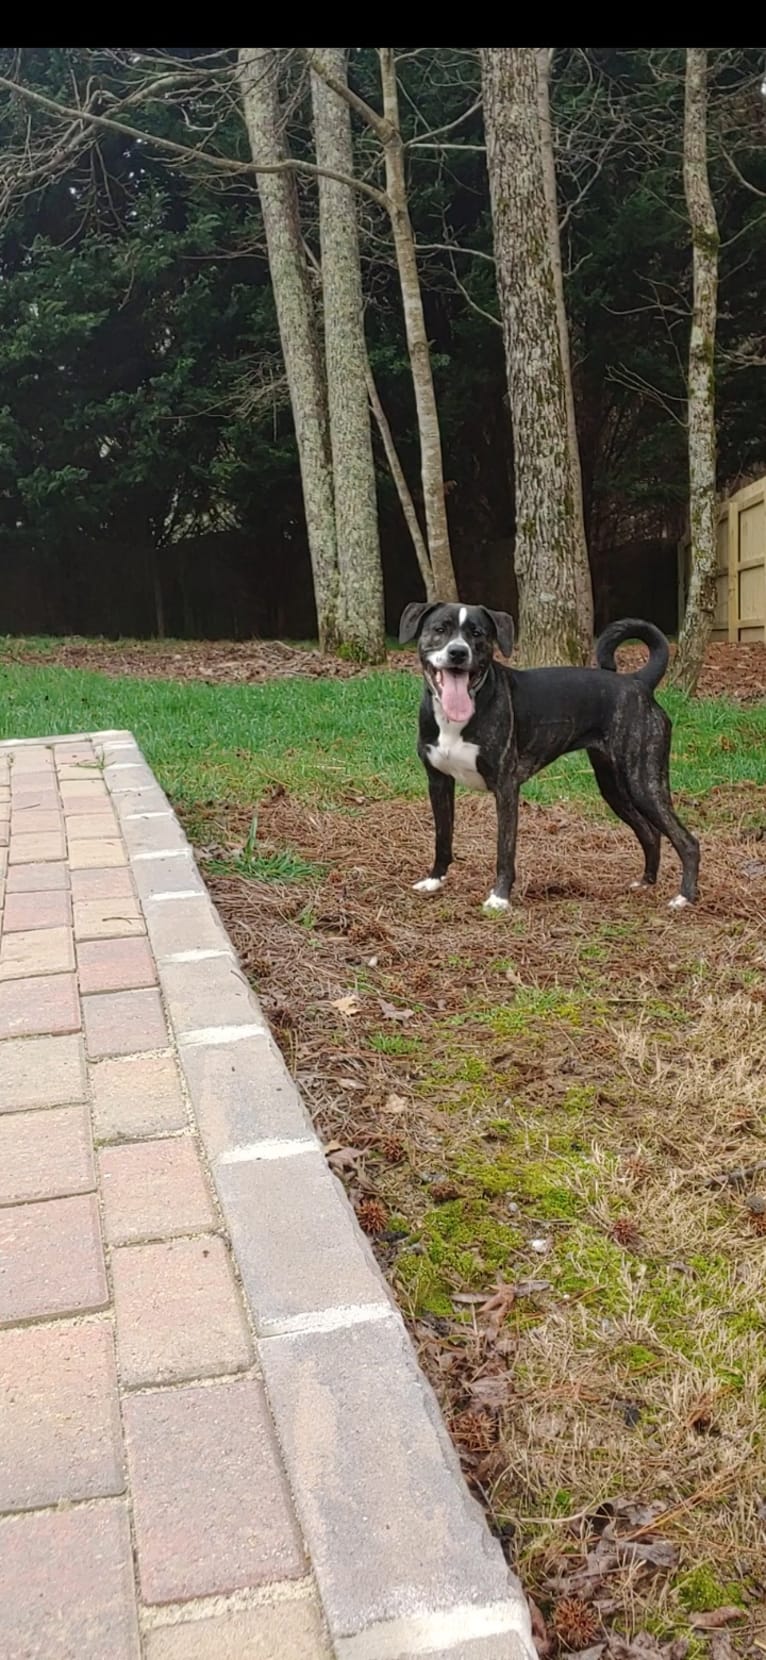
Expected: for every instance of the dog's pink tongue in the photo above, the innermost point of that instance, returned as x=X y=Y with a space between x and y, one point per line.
x=456 y=702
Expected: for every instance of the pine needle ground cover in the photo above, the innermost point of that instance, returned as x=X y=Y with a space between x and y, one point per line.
x=552 y=1126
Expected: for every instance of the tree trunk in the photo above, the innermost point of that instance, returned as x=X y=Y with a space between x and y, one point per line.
x=431 y=464
x=546 y=554
x=257 y=70
x=402 y=487
x=582 y=574
x=361 y=621
x=699 y=615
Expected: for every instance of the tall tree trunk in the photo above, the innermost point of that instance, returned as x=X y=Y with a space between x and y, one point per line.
x=257 y=70
x=431 y=463
x=546 y=556
x=582 y=574
x=361 y=621
x=699 y=615
x=402 y=487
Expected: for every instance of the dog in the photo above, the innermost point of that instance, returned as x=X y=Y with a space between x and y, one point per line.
x=490 y=727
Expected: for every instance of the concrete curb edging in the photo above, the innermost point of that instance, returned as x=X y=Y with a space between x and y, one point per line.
x=404 y=1562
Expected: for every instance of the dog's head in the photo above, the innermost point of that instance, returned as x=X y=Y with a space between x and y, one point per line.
x=456 y=645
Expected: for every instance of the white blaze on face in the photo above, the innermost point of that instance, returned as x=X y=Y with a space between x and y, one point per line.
x=452 y=683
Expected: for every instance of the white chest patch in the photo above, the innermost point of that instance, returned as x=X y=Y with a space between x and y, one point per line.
x=454 y=755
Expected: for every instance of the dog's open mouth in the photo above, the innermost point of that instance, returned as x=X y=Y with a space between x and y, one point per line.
x=453 y=687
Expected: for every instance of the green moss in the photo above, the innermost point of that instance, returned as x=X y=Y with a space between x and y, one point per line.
x=546 y=1184
x=700 y=1589
x=422 y=1283
x=635 y=1357
x=531 y=1005
x=462 y=1244
x=590 y=1265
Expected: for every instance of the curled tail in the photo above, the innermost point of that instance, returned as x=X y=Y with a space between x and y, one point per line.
x=631 y=628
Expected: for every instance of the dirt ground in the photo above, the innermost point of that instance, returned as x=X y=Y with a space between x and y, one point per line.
x=552 y=1127
x=733 y=671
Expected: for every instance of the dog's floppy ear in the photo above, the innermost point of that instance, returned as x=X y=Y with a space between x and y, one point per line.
x=505 y=632
x=413 y=618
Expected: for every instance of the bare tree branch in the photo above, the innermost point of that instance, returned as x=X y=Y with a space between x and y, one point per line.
x=184 y=152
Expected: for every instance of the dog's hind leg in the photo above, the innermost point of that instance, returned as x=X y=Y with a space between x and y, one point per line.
x=653 y=798
x=648 y=781
x=618 y=798
x=441 y=790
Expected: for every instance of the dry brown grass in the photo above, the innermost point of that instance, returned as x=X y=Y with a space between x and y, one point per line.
x=554 y=1126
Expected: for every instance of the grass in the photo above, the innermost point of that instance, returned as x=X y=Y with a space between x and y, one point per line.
x=552 y=1107
x=332 y=741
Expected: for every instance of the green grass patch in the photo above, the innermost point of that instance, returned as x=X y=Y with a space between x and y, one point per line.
x=326 y=739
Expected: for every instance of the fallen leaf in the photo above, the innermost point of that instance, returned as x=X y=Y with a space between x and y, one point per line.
x=346 y=1005
x=720 y=1646
x=540 y=1637
x=714 y=1618
x=492 y=1391
x=394 y=1103
x=494 y=1311
x=390 y=1011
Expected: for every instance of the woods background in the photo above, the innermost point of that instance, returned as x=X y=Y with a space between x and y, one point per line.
x=149 y=472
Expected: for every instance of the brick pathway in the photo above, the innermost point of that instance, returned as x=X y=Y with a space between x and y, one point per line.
x=215 y=1443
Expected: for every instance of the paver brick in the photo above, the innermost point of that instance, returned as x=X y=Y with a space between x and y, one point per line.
x=24 y=911
x=135 y=1097
x=41 y=1072
x=95 y=854
x=115 y=965
x=186 y=925
x=80 y=790
x=27 y=850
x=42 y=799
x=126 y=776
x=296 y=1242
x=154 y=1190
x=51 y=1261
x=153 y=876
x=154 y=835
x=61 y=1435
x=243 y=1093
x=151 y=799
x=209 y=993
x=330 y=1393
x=32 y=758
x=66 y=1585
x=107 y=918
x=46 y=1004
x=36 y=951
x=114 y=883
x=37 y=821
x=45 y=1155
x=123 y=1023
x=91 y=826
x=47 y=878
x=292 y=1630
x=212 y=1512
x=179 y=1314
x=69 y=771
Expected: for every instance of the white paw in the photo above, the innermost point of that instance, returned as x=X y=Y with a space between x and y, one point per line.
x=495 y=903
x=679 y=903
x=429 y=884
x=640 y=887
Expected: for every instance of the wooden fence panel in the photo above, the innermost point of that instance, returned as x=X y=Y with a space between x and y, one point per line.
x=740 y=613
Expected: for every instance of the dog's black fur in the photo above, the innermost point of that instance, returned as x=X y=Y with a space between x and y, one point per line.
x=511 y=723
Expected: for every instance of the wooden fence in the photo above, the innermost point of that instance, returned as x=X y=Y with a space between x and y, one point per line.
x=741 y=603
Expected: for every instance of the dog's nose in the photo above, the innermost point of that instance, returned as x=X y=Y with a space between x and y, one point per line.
x=458 y=655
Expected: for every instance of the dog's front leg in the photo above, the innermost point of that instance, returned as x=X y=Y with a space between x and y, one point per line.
x=441 y=790
x=507 y=803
